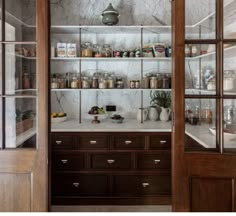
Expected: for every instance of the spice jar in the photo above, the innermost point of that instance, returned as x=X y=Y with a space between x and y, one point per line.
x=54 y=83
x=165 y=82
x=132 y=84
x=146 y=82
x=26 y=81
x=87 y=50
x=153 y=82
x=102 y=83
x=95 y=82
x=61 y=83
x=137 y=84
x=110 y=82
x=74 y=82
x=107 y=50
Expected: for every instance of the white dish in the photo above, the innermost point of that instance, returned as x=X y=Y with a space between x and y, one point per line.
x=100 y=116
x=226 y=135
x=58 y=119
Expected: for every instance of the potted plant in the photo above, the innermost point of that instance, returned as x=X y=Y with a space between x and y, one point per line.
x=162 y=99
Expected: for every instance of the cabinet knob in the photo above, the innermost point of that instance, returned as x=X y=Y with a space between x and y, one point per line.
x=163 y=142
x=127 y=142
x=145 y=184
x=58 y=142
x=64 y=161
x=157 y=161
x=76 y=184
x=93 y=142
x=110 y=161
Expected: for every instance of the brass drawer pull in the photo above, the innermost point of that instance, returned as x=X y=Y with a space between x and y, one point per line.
x=110 y=161
x=145 y=184
x=92 y=142
x=58 y=142
x=157 y=161
x=76 y=184
x=64 y=161
x=163 y=142
x=127 y=142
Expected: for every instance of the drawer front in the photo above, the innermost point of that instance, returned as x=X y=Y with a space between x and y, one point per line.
x=154 y=161
x=111 y=161
x=129 y=142
x=62 y=141
x=93 y=142
x=68 y=161
x=142 y=185
x=160 y=142
x=79 y=185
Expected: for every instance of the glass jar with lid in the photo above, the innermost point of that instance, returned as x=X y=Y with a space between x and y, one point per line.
x=102 y=83
x=110 y=82
x=229 y=80
x=153 y=82
x=87 y=50
x=107 y=50
x=54 y=83
x=74 y=82
x=99 y=51
x=85 y=82
x=95 y=82
x=119 y=83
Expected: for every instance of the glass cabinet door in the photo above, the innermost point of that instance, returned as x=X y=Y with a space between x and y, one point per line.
x=18 y=83
x=210 y=76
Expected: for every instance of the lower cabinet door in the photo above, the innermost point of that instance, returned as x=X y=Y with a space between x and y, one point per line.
x=139 y=185
x=79 y=185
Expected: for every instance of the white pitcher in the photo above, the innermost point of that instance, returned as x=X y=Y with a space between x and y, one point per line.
x=139 y=114
x=153 y=113
x=165 y=114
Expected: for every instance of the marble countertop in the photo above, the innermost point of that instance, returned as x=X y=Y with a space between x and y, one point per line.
x=200 y=133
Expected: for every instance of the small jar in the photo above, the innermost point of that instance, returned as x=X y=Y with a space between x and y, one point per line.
x=107 y=50
x=61 y=83
x=95 y=82
x=99 y=51
x=110 y=82
x=117 y=54
x=74 y=82
x=119 y=83
x=102 y=83
x=153 y=82
x=132 y=84
x=137 y=84
x=26 y=81
x=54 y=83
x=165 y=82
x=85 y=83
x=125 y=54
x=87 y=50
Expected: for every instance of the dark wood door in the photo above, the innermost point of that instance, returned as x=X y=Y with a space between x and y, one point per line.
x=203 y=164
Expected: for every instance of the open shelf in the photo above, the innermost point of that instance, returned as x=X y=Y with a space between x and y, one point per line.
x=110 y=59
x=116 y=89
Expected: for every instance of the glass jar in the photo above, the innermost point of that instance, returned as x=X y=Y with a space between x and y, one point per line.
x=61 y=83
x=153 y=82
x=211 y=85
x=95 y=82
x=85 y=82
x=119 y=83
x=54 y=83
x=229 y=80
x=206 y=115
x=74 y=82
x=87 y=50
x=68 y=80
x=26 y=81
x=137 y=84
x=99 y=51
x=110 y=82
x=107 y=50
x=146 y=82
x=102 y=83
x=165 y=82
x=132 y=84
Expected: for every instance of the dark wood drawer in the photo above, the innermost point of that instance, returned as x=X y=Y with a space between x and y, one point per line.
x=154 y=160
x=111 y=161
x=79 y=185
x=142 y=185
x=124 y=142
x=62 y=141
x=93 y=142
x=160 y=141
x=68 y=161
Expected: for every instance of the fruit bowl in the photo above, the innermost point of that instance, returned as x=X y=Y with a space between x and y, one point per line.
x=58 y=119
x=117 y=119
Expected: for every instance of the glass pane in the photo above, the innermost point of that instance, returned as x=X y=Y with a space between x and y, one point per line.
x=200 y=124
x=229 y=19
x=20 y=20
x=230 y=125
x=1 y=80
x=200 y=69
x=1 y=144
x=229 y=69
x=20 y=122
x=200 y=19
x=20 y=69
